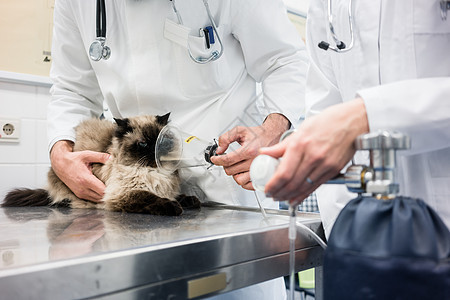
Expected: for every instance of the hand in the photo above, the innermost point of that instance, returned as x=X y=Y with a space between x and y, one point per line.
x=74 y=169
x=237 y=163
x=317 y=151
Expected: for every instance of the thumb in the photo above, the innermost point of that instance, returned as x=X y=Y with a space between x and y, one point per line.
x=275 y=151
x=96 y=157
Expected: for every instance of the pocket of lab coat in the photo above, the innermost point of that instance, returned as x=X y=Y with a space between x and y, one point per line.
x=198 y=80
x=431 y=39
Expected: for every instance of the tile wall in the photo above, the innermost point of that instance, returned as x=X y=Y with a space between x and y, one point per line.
x=24 y=164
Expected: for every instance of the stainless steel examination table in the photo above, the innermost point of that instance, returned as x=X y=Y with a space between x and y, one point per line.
x=51 y=253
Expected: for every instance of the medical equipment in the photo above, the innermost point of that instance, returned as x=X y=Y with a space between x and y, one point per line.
x=382 y=245
x=176 y=149
x=207 y=32
x=98 y=49
x=380 y=238
x=445 y=5
x=378 y=178
x=341 y=47
x=261 y=170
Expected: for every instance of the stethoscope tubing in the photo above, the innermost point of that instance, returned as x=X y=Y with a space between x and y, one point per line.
x=101 y=18
x=215 y=54
x=340 y=45
x=99 y=50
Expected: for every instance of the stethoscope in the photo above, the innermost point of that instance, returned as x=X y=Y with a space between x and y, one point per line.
x=340 y=45
x=98 y=50
x=445 y=5
x=207 y=32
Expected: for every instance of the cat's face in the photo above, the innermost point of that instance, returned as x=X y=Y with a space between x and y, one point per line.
x=136 y=139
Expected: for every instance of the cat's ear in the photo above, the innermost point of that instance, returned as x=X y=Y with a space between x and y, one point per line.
x=163 y=119
x=123 y=126
x=121 y=122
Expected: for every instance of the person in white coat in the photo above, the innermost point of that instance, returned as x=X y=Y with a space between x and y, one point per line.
x=150 y=71
x=396 y=77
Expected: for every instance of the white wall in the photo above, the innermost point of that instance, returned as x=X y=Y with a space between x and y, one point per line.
x=24 y=164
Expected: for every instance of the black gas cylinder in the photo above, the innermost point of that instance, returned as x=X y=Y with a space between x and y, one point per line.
x=387 y=249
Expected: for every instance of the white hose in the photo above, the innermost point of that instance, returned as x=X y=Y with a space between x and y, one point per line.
x=314 y=235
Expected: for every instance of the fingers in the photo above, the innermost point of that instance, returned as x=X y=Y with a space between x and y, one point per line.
x=229 y=137
x=284 y=174
x=240 y=155
x=243 y=166
x=93 y=196
x=96 y=157
x=240 y=173
x=297 y=200
x=274 y=151
x=243 y=179
x=84 y=184
x=301 y=186
x=298 y=183
x=248 y=186
x=89 y=188
x=307 y=188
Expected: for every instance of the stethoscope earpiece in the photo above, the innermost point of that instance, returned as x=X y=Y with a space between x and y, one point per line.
x=340 y=45
x=324 y=45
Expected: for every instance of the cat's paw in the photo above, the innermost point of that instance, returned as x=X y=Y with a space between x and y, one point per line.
x=189 y=202
x=147 y=203
x=170 y=208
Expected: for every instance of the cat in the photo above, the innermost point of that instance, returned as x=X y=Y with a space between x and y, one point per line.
x=133 y=181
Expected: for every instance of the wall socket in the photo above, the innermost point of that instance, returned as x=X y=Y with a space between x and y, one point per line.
x=9 y=130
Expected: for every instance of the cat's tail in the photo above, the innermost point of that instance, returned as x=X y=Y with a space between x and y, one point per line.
x=27 y=197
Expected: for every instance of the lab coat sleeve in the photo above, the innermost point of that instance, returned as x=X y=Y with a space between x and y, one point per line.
x=419 y=108
x=274 y=55
x=75 y=92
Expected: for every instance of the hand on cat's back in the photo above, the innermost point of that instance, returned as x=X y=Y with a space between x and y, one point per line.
x=74 y=169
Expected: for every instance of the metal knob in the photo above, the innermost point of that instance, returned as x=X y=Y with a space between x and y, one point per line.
x=382 y=147
x=355 y=178
x=383 y=140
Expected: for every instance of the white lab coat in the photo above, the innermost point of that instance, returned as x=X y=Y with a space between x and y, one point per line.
x=400 y=66
x=150 y=72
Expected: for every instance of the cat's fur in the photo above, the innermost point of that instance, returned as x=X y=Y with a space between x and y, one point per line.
x=133 y=181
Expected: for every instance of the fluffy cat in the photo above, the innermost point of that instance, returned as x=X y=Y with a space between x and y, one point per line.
x=133 y=181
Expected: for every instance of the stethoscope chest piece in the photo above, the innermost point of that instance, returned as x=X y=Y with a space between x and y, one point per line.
x=99 y=50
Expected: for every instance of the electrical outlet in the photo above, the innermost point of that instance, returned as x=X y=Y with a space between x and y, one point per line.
x=9 y=130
